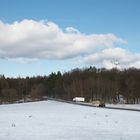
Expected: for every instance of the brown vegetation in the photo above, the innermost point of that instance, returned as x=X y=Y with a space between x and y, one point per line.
x=91 y=83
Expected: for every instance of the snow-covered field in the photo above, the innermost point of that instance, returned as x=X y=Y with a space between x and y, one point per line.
x=51 y=120
x=127 y=106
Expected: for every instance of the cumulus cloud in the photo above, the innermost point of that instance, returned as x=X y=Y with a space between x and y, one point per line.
x=30 y=40
x=72 y=30
x=46 y=40
x=114 y=57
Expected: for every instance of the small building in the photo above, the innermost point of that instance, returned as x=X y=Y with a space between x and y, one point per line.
x=78 y=99
x=120 y=99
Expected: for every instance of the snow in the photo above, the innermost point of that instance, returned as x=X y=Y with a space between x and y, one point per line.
x=51 y=120
x=127 y=106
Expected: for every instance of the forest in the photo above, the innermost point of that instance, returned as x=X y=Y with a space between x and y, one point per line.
x=91 y=83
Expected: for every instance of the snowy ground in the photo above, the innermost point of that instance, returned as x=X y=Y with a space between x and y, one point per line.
x=127 y=106
x=51 y=120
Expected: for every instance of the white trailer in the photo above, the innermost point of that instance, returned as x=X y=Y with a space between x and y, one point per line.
x=78 y=99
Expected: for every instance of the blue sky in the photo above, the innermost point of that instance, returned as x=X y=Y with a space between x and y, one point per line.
x=120 y=18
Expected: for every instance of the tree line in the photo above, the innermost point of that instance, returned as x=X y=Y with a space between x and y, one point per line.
x=91 y=83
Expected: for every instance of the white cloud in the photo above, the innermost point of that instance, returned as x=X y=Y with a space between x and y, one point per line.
x=29 y=40
x=46 y=40
x=23 y=60
x=72 y=30
x=113 y=57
